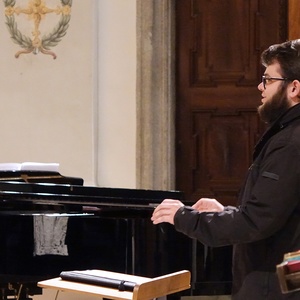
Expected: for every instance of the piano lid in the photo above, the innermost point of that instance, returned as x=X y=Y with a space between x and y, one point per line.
x=61 y=194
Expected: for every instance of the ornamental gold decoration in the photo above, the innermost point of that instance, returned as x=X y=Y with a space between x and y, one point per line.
x=37 y=10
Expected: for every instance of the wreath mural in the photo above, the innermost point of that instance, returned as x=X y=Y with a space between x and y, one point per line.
x=37 y=9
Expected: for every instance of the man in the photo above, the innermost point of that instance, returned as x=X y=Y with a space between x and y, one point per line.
x=266 y=222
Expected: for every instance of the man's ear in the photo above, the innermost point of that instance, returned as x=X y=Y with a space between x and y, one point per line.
x=294 y=90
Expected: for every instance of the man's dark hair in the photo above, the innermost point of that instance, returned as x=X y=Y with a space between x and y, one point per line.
x=287 y=55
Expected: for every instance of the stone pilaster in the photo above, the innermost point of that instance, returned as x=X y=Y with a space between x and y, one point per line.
x=155 y=94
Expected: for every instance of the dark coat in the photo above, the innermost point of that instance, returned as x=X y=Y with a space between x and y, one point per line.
x=266 y=223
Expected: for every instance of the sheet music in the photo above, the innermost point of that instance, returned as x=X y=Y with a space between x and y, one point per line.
x=29 y=166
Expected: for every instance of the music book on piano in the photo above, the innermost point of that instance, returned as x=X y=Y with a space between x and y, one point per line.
x=29 y=166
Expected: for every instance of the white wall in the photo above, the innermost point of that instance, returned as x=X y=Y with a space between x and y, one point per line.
x=117 y=93
x=79 y=109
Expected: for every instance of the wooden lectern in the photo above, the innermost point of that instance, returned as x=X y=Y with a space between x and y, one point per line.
x=144 y=288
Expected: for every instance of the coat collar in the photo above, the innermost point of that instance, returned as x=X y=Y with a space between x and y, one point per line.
x=281 y=122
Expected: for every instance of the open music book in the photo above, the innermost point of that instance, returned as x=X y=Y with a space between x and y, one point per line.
x=29 y=166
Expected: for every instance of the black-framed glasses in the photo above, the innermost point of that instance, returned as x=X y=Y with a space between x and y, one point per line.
x=266 y=79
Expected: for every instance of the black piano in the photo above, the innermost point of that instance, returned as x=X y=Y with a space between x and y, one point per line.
x=106 y=228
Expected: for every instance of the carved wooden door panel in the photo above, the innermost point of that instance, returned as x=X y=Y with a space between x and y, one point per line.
x=218 y=69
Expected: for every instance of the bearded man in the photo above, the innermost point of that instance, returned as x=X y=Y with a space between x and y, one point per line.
x=265 y=224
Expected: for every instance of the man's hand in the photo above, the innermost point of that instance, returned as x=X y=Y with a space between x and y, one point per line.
x=208 y=205
x=166 y=211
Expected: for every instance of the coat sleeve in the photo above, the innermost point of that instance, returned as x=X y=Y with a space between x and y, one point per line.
x=270 y=196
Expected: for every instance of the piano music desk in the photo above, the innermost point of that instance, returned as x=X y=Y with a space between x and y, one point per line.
x=145 y=288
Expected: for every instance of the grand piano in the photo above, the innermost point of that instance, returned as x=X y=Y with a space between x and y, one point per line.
x=106 y=228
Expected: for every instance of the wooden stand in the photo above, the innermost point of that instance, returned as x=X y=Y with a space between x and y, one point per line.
x=145 y=288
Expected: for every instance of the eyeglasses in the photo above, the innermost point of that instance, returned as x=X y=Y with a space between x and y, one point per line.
x=266 y=80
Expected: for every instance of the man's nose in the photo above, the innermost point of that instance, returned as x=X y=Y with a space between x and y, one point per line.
x=260 y=86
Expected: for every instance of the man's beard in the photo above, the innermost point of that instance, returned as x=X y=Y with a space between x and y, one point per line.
x=273 y=108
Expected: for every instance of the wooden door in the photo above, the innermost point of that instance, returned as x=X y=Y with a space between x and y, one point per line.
x=218 y=69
